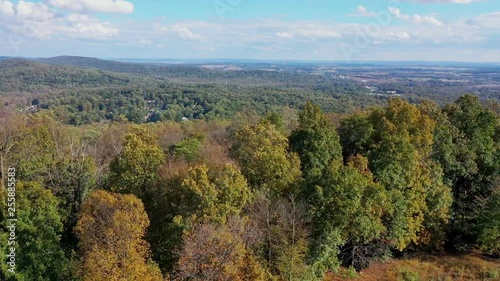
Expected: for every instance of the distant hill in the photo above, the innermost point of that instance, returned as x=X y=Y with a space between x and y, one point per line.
x=4 y=58
x=124 y=67
x=86 y=62
x=20 y=75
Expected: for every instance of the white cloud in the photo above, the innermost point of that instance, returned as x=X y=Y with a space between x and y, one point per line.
x=310 y=31
x=89 y=6
x=489 y=21
x=417 y=19
x=184 y=33
x=319 y=32
x=28 y=20
x=33 y=11
x=362 y=11
x=286 y=35
x=83 y=26
x=181 y=30
x=264 y=38
x=27 y=11
x=400 y=35
x=397 y=13
x=7 y=8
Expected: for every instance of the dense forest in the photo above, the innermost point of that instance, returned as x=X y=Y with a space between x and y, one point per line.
x=82 y=91
x=247 y=188
x=86 y=95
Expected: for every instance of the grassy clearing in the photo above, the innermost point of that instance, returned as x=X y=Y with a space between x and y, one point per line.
x=446 y=268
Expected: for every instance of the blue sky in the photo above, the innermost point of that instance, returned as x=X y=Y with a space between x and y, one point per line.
x=438 y=30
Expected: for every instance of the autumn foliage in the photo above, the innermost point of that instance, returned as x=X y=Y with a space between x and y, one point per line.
x=111 y=228
x=275 y=197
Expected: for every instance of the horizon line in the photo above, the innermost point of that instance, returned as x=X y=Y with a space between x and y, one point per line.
x=122 y=59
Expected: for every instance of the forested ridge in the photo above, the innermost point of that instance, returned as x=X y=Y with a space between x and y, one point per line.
x=265 y=194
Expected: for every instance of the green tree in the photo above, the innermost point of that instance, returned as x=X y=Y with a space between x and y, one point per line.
x=355 y=134
x=214 y=193
x=471 y=162
x=38 y=234
x=348 y=209
x=135 y=169
x=398 y=141
x=489 y=225
x=316 y=142
x=262 y=152
x=188 y=148
x=71 y=180
x=35 y=149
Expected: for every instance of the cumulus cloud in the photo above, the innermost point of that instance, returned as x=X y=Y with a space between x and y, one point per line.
x=181 y=30
x=83 y=26
x=29 y=20
x=362 y=11
x=89 y=6
x=33 y=11
x=28 y=11
x=489 y=21
x=417 y=19
x=397 y=13
x=7 y=8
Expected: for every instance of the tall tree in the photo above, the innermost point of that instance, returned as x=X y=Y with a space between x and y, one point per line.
x=348 y=207
x=472 y=163
x=135 y=169
x=71 y=179
x=111 y=228
x=316 y=142
x=38 y=233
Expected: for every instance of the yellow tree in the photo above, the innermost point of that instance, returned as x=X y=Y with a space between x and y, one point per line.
x=111 y=228
x=135 y=169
